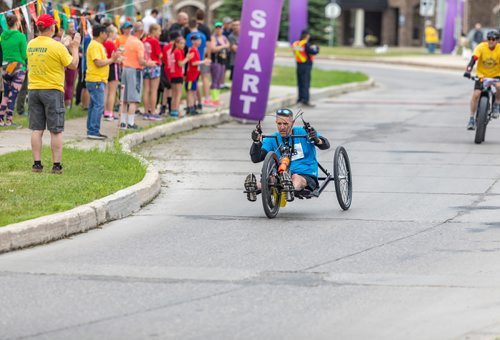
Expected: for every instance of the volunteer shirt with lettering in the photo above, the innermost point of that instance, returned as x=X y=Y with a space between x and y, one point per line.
x=193 y=71
x=152 y=45
x=47 y=59
x=133 y=48
x=167 y=57
x=488 y=61
x=178 y=56
x=96 y=74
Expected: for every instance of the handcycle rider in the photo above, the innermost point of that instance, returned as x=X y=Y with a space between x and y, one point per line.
x=304 y=165
x=487 y=55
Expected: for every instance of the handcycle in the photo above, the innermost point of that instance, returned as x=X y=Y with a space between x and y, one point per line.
x=276 y=180
x=485 y=106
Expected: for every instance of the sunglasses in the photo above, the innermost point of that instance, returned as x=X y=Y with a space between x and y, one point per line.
x=492 y=39
x=284 y=112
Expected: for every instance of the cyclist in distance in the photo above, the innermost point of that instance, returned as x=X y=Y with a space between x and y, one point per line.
x=487 y=56
x=304 y=165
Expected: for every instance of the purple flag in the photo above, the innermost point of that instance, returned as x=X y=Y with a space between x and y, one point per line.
x=297 y=19
x=448 y=43
x=253 y=67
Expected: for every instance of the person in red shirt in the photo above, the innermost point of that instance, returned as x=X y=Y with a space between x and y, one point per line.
x=167 y=57
x=192 y=74
x=177 y=74
x=152 y=51
x=114 y=74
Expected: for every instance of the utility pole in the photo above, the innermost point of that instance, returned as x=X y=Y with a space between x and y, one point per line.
x=207 y=12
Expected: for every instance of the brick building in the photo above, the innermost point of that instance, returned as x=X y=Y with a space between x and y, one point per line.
x=398 y=22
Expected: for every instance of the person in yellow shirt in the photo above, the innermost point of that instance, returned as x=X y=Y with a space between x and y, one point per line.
x=47 y=59
x=487 y=56
x=96 y=79
x=431 y=37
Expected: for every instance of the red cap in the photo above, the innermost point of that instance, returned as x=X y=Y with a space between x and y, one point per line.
x=44 y=21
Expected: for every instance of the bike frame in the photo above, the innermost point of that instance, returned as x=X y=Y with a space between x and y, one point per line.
x=325 y=180
x=488 y=89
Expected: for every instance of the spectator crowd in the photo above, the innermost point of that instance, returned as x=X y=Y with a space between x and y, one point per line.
x=141 y=68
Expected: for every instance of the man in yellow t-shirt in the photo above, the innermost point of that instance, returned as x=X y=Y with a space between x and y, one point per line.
x=431 y=37
x=487 y=56
x=47 y=59
x=96 y=79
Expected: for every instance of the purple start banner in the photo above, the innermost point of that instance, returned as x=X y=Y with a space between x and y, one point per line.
x=260 y=20
x=297 y=19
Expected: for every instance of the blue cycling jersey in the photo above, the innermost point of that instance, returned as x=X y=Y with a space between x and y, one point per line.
x=304 y=160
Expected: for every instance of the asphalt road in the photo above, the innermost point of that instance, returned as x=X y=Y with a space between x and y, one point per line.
x=416 y=257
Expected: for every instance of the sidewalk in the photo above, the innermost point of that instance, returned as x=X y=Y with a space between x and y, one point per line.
x=438 y=61
x=75 y=129
x=75 y=133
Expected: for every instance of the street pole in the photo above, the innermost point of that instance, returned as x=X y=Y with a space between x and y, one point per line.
x=207 y=12
x=332 y=31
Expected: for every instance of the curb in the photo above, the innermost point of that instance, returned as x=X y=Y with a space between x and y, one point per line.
x=127 y=201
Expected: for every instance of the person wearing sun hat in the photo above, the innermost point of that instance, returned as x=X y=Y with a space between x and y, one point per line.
x=125 y=28
x=47 y=59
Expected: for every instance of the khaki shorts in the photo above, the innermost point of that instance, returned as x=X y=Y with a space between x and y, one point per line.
x=46 y=110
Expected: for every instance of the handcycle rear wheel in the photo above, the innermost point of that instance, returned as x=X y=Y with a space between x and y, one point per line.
x=342 y=177
x=481 y=120
x=271 y=194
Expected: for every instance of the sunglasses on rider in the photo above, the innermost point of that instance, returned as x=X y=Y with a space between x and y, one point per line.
x=284 y=112
x=492 y=39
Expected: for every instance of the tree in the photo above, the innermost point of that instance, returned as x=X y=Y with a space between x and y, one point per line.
x=317 y=21
x=230 y=8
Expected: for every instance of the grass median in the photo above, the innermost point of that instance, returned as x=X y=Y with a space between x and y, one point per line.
x=283 y=75
x=365 y=52
x=88 y=175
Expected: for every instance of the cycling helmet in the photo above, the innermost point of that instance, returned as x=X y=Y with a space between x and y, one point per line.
x=493 y=35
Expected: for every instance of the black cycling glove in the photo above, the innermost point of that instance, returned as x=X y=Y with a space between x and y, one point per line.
x=256 y=135
x=312 y=135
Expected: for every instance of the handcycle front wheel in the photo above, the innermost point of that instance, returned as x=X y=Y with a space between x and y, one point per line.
x=481 y=120
x=342 y=177
x=271 y=194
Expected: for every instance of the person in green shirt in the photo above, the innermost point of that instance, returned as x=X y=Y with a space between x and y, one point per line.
x=13 y=44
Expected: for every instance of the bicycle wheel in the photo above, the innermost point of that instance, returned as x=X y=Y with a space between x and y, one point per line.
x=342 y=177
x=481 y=120
x=271 y=194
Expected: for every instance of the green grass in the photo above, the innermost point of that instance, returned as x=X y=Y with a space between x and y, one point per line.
x=283 y=75
x=88 y=175
x=364 y=52
x=22 y=121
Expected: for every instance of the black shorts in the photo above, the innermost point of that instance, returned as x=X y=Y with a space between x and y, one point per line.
x=477 y=84
x=164 y=81
x=312 y=182
x=177 y=80
x=114 y=72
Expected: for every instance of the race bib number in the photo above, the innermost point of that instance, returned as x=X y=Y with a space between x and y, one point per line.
x=298 y=153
